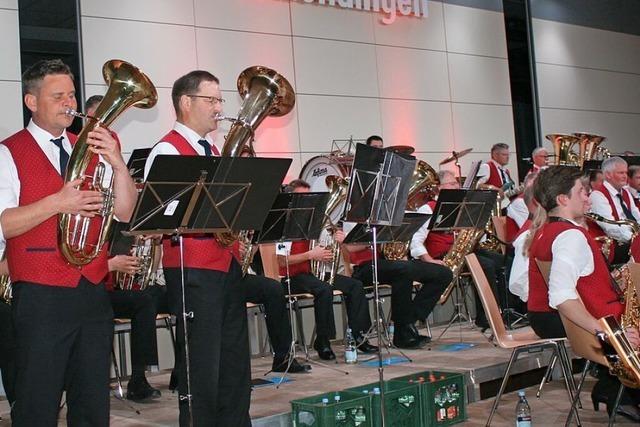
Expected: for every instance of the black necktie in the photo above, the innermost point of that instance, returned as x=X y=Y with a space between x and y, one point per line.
x=206 y=146
x=625 y=209
x=505 y=178
x=64 y=156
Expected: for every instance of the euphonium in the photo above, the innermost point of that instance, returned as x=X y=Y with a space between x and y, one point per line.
x=562 y=148
x=5 y=285
x=424 y=178
x=265 y=93
x=589 y=146
x=146 y=250
x=79 y=238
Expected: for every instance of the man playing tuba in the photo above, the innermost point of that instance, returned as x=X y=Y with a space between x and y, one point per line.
x=62 y=313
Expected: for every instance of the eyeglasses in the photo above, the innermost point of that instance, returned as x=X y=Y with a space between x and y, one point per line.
x=209 y=99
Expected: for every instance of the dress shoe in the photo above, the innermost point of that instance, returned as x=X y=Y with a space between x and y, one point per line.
x=405 y=337
x=366 y=347
x=629 y=411
x=323 y=347
x=280 y=365
x=422 y=338
x=140 y=390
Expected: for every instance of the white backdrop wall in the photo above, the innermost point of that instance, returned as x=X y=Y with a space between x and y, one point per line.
x=10 y=87
x=589 y=80
x=438 y=84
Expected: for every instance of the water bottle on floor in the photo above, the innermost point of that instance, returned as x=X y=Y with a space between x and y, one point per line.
x=350 y=349
x=523 y=411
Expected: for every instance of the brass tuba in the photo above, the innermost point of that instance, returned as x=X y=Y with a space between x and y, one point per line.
x=79 y=238
x=265 y=93
x=424 y=178
x=146 y=250
x=563 y=149
x=589 y=146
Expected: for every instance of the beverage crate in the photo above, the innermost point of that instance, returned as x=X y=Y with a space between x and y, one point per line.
x=353 y=410
x=442 y=395
x=402 y=406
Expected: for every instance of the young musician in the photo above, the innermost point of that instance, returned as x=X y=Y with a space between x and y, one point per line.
x=62 y=314
x=220 y=371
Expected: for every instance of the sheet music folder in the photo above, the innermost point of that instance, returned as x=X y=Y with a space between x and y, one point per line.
x=294 y=216
x=462 y=209
x=411 y=223
x=199 y=194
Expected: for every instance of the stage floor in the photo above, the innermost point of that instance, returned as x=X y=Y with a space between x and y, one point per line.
x=481 y=362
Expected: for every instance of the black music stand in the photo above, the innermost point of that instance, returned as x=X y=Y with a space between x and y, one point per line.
x=294 y=217
x=198 y=194
x=458 y=210
x=136 y=163
x=377 y=196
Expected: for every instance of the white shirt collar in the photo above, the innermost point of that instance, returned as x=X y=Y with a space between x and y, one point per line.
x=609 y=187
x=498 y=165
x=43 y=138
x=191 y=136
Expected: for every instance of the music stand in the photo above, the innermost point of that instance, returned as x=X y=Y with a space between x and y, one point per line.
x=458 y=210
x=198 y=194
x=136 y=163
x=294 y=217
x=378 y=192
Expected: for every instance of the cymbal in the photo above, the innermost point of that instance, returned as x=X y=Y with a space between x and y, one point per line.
x=401 y=149
x=456 y=155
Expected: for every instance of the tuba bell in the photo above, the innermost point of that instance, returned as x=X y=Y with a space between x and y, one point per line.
x=265 y=93
x=79 y=238
x=563 y=149
x=589 y=146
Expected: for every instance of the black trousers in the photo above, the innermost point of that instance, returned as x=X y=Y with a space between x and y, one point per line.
x=64 y=338
x=270 y=294
x=434 y=279
x=220 y=371
x=546 y=324
x=140 y=307
x=7 y=352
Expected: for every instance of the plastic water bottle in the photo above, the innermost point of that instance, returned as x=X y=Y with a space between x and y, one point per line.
x=350 y=350
x=523 y=411
x=391 y=329
x=325 y=401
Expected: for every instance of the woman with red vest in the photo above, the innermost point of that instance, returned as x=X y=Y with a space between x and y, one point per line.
x=220 y=371
x=302 y=280
x=62 y=313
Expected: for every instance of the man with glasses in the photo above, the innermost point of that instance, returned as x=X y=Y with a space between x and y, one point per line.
x=220 y=372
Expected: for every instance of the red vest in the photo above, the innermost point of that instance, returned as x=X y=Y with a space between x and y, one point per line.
x=438 y=243
x=635 y=249
x=200 y=250
x=595 y=290
x=360 y=257
x=304 y=267
x=34 y=256
x=495 y=178
x=626 y=198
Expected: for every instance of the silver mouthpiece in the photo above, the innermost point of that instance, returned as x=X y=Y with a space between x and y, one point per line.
x=221 y=118
x=72 y=112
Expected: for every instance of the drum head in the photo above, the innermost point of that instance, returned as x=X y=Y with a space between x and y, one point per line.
x=318 y=168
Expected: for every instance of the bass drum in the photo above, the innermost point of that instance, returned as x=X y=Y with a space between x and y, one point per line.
x=317 y=169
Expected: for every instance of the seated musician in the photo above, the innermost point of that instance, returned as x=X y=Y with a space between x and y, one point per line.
x=613 y=202
x=375 y=141
x=494 y=172
x=519 y=274
x=139 y=305
x=539 y=158
x=8 y=365
x=431 y=246
x=579 y=284
x=303 y=281
x=518 y=211
x=634 y=184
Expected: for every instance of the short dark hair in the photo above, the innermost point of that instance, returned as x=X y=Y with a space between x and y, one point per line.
x=593 y=174
x=189 y=84
x=374 y=138
x=33 y=76
x=552 y=182
x=92 y=101
x=499 y=146
x=297 y=183
x=633 y=169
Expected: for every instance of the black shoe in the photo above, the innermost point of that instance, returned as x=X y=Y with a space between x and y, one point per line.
x=280 y=365
x=629 y=411
x=140 y=390
x=424 y=339
x=366 y=347
x=323 y=347
x=405 y=337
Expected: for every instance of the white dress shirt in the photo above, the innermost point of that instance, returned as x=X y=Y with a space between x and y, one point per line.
x=572 y=259
x=518 y=211
x=9 y=181
x=600 y=205
x=519 y=276
x=484 y=172
x=167 y=148
x=417 y=247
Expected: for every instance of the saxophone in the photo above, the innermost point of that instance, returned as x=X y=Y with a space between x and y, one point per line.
x=245 y=237
x=464 y=243
x=607 y=241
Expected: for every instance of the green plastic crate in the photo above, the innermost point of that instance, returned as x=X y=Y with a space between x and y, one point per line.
x=442 y=395
x=353 y=410
x=402 y=404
